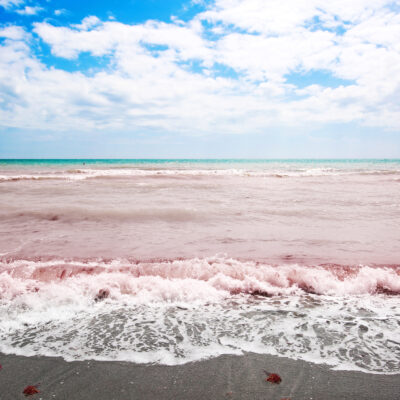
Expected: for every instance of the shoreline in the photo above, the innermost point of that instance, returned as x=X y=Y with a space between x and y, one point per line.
x=223 y=377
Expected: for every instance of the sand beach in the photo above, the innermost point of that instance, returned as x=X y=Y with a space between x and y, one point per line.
x=224 y=377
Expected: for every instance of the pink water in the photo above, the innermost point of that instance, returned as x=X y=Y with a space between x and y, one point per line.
x=199 y=259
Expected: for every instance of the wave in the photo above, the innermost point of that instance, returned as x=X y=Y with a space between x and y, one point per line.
x=82 y=174
x=176 y=311
x=187 y=279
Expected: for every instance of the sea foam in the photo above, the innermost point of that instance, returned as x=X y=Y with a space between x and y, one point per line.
x=176 y=311
x=79 y=174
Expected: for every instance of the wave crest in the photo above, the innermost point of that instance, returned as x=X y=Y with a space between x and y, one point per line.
x=116 y=173
x=194 y=279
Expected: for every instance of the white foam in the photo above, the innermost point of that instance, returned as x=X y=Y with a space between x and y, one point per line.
x=87 y=173
x=194 y=278
x=173 y=312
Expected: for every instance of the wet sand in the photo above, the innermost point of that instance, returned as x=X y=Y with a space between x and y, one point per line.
x=224 y=377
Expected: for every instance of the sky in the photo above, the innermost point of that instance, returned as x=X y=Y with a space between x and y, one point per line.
x=200 y=79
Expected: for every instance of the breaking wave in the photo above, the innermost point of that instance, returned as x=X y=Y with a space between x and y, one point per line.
x=176 y=311
x=208 y=278
x=90 y=173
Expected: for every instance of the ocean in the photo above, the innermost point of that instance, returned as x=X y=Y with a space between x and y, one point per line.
x=172 y=261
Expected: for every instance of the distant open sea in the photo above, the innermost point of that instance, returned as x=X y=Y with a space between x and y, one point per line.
x=171 y=261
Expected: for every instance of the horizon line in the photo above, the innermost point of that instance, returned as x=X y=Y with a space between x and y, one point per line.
x=198 y=158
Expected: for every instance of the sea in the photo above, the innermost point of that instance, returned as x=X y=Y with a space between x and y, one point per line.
x=174 y=261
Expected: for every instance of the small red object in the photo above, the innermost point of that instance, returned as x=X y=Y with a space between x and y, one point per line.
x=273 y=378
x=30 y=390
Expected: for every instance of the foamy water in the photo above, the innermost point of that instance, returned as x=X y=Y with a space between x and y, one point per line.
x=173 y=261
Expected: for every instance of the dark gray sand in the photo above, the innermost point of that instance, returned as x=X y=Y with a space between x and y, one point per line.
x=225 y=377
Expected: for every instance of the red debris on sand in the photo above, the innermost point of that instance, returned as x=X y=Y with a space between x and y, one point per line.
x=30 y=390
x=1 y=366
x=273 y=378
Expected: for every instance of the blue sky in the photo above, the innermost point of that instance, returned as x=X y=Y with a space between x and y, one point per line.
x=221 y=78
x=62 y=12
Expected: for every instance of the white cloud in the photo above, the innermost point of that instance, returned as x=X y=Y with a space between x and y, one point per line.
x=281 y=17
x=59 y=12
x=28 y=10
x=12 y=5
x=13 y=32
x=100 y=38
x=150 y=81
x=7 y=4
x=88 y=22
